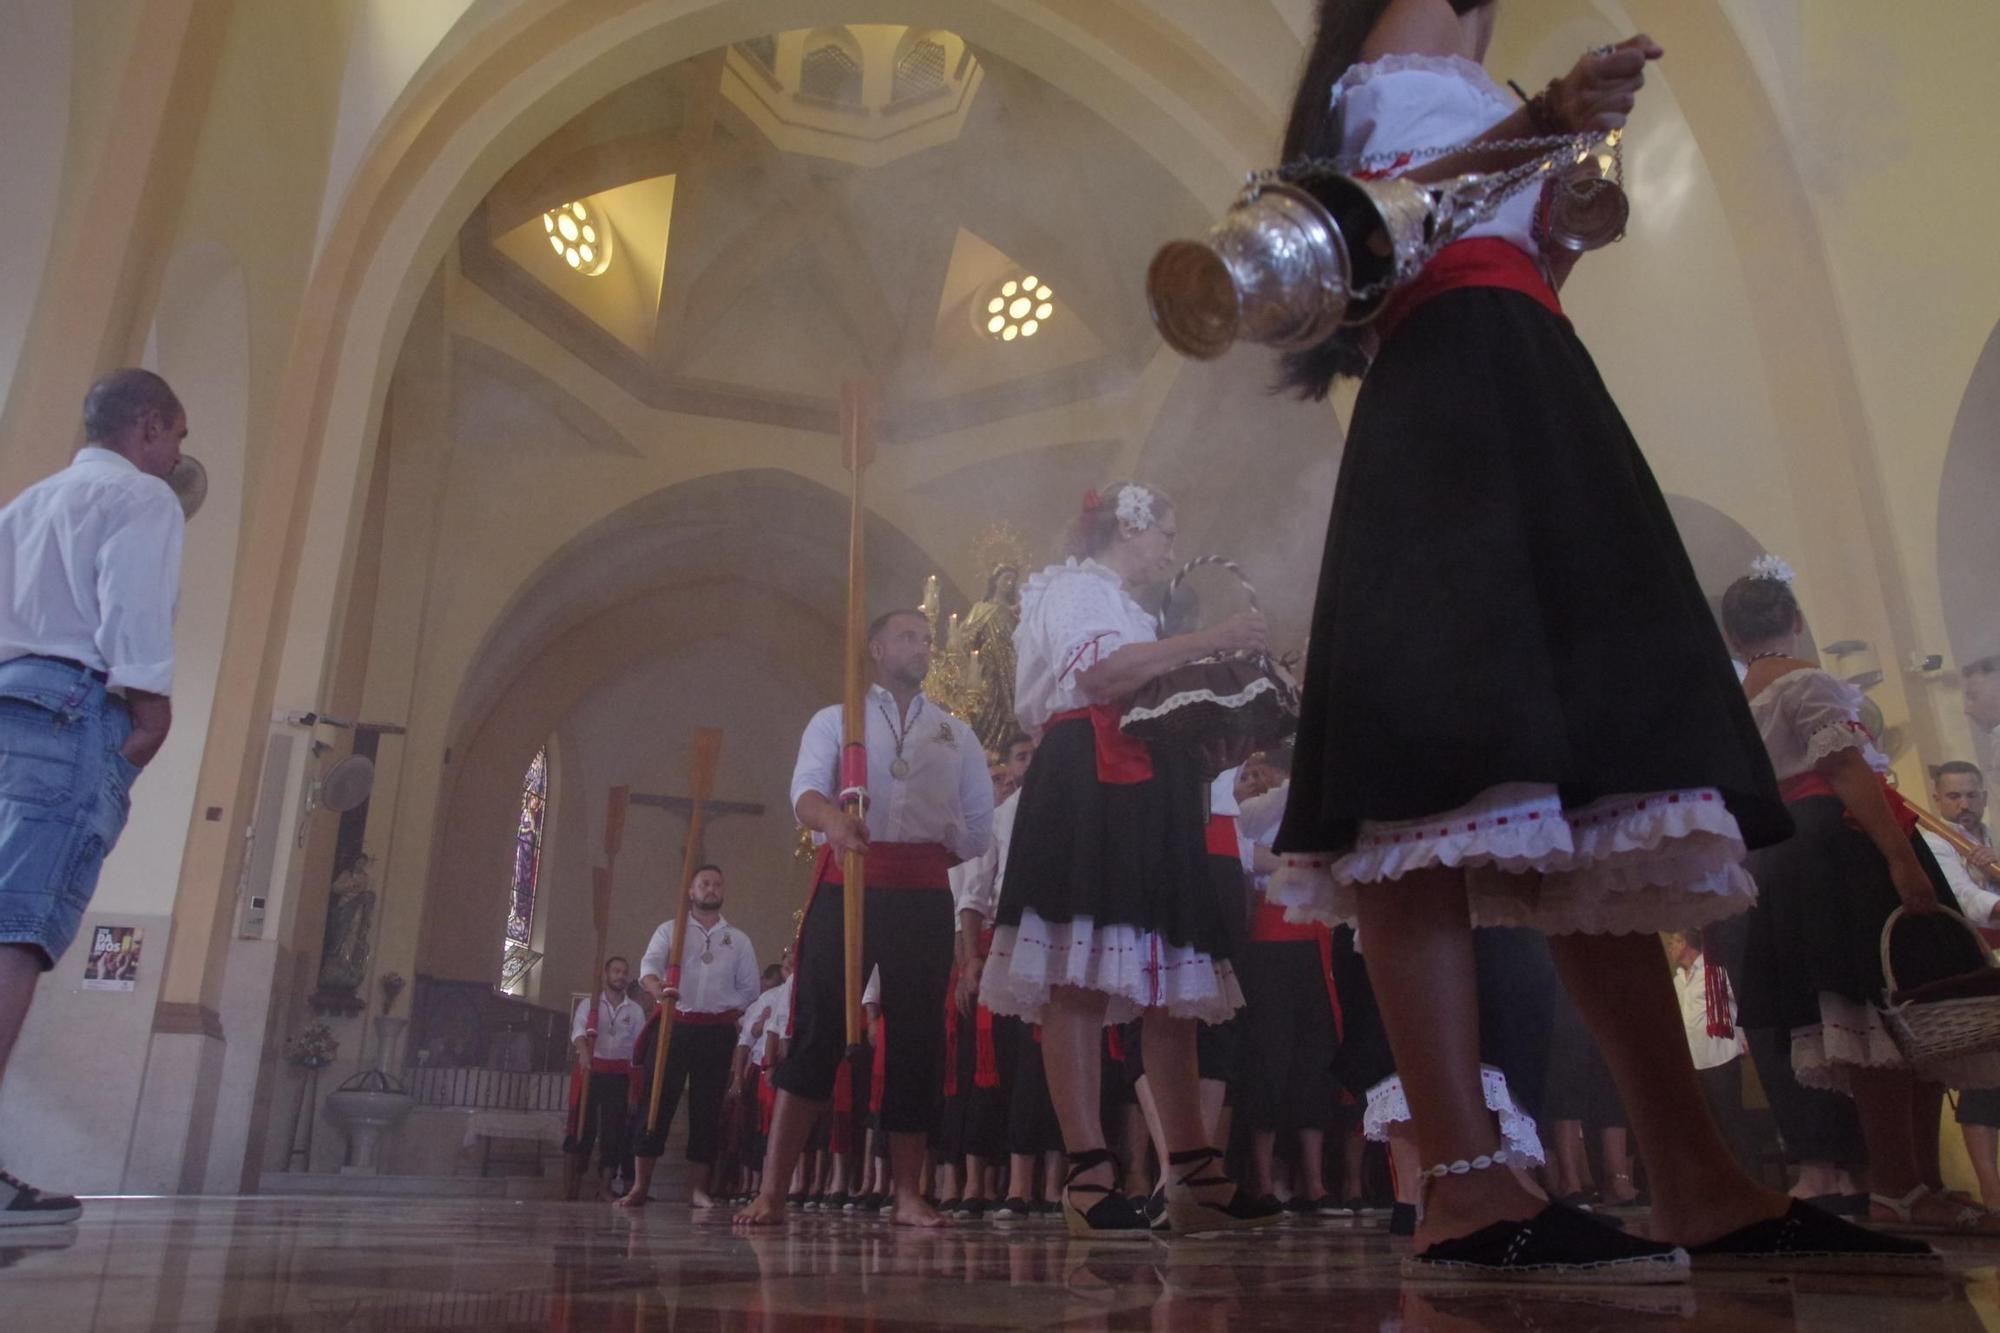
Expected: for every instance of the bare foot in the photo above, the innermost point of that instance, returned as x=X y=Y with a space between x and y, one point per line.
x=912 y=1211
x=632 y=1198
x=1457 y=1206
x=763 y=1211
x=701 y=1202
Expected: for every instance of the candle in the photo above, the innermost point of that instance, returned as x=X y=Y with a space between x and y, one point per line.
x=972 y=669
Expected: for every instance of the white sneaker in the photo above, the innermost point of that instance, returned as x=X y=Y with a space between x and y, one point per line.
x=21 y=1204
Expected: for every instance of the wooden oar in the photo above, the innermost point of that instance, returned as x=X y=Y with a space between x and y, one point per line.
x=707 y=751
x=1952 y=834
x=857 y=448
x=600 y=917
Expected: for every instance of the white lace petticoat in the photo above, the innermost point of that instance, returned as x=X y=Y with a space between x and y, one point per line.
x=1851 y=1035
x=1625 y=864
x=1387 y=1105
x=1135 y=967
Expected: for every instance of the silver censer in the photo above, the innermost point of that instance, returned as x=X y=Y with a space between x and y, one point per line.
x=1306 y=250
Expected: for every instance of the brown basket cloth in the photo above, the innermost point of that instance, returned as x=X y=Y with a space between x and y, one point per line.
x=1224 y=708
x=1942 y=1020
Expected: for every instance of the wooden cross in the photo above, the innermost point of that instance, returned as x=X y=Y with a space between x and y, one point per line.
x=684 y=806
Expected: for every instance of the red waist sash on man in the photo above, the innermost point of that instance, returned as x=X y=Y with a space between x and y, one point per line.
x=1483 y=261
x=893 y=865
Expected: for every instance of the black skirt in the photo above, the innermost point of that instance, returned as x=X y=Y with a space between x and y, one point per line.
x=1118 y=854
x=1822 y=899
x=1504 y=596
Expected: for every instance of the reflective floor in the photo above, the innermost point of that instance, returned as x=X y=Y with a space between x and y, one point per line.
x=244 y=1264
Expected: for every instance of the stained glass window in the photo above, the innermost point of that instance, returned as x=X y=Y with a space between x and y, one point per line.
x=528 y=853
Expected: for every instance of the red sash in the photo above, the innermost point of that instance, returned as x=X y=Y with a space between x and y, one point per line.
x=767 y=1099
x=875 y=1077
x=1122 y=761
x=1483 y=261
x=1222 y=837
x=1809 y=783
x=986 y=1061
x=1268 y=926
x=893 y=865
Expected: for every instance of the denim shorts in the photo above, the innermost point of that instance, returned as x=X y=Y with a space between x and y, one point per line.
x=64 y=794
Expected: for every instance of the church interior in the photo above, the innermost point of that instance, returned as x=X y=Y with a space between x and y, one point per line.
x=512 y=336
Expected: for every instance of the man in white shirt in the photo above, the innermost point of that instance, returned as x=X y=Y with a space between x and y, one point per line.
x=931 y=806
x=1715 y=1056
x=601 y=1035
x=1982 y=708
x=1958 y=794
x=759 y=1036
x=90 y=563
x=716 y=982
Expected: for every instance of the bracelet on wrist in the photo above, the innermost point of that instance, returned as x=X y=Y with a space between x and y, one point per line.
x=1542 y=115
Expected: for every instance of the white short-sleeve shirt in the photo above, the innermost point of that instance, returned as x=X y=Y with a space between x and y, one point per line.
x=1806 y=715
x=90 y=570
x=1073 y=616
x=1403 y=103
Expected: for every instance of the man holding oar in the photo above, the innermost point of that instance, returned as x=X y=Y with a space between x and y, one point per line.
x=932 y=806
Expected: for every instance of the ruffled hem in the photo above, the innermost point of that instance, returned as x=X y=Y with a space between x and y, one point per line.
x=1622 y=865
x=1260 y=686
x=1407 y=62
x=1387 y=1105
x=1135 y=967
x=1851 y=1035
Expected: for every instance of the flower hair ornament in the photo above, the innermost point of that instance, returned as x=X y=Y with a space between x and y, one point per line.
x=1773 y=568
x=1135 y=509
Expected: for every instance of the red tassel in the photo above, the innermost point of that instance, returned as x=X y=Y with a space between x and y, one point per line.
x=1114 y=1045
x=986 y=1070
x=843 y=1089
x=1716 y=993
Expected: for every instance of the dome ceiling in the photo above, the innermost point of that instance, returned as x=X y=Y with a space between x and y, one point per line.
x=815 y=206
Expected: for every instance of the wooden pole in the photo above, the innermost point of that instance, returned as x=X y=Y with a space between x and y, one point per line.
x=857 y=447
x=600 y=917
x=707 y=751
x=1951 y=833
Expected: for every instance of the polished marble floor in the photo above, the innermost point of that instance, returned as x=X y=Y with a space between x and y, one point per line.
x=503 y=1265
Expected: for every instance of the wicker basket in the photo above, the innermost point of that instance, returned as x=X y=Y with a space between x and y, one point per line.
x=1930 y=1031
x=1222 y=709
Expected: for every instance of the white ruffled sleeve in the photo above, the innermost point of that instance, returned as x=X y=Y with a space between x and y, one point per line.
x=1405 y=102
x=1084 y=618
x=1826 y=717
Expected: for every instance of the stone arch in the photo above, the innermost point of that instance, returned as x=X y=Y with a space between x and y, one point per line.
x=1968 y=530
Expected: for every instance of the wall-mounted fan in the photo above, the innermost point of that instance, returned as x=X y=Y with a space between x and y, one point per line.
x=189 y=481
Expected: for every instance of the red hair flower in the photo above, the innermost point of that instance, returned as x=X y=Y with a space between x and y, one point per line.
x=1092 y=501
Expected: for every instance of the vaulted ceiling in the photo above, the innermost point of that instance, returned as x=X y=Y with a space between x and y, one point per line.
x=768 y=247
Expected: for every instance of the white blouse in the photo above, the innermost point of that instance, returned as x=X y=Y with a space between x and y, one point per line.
x=1806 y=715
x=1073 y=616
x=1406 y=102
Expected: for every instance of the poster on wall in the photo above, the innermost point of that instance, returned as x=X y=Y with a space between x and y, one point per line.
x=113 y=963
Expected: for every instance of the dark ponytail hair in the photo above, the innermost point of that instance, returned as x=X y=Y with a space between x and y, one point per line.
x=1757 y=609
x=1313 y=130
